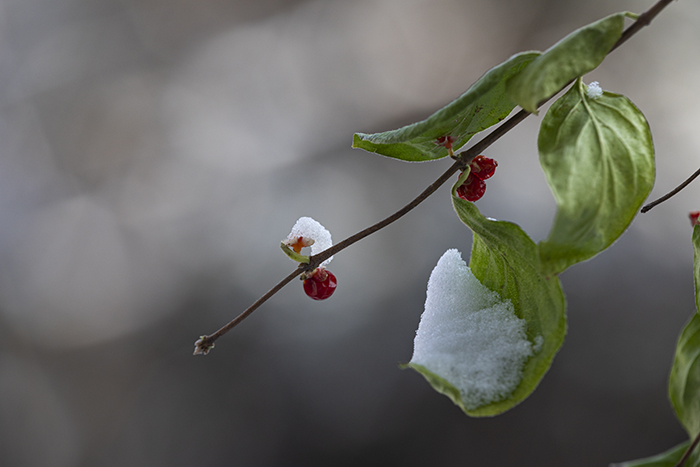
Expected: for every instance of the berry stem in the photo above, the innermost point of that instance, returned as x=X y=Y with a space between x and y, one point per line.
x=463 y=159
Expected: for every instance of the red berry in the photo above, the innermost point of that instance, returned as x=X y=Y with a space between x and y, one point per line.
x=320 y=285
x=483 y=167
x=472 y=189
x=694 y=218
x=445 y=141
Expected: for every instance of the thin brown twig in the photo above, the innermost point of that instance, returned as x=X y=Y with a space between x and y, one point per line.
x=642 y=21
x=672 y=193
x=205 y=343
x=688 y=451
x=432 y=188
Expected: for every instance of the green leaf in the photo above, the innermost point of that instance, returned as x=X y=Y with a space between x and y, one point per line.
x=666 y=459
x=506 y=260
x=696 y=264
x=299 y=258
x=484 y=104
x=438 y=383
x=598 y=157
x=684 y=382
x=694 y=459
x=575 y=55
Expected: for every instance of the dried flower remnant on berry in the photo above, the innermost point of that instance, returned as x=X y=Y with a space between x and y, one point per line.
x=300 y=243
x=593 y=90
x=694 y=216
x=445 y=141
x=308 y=232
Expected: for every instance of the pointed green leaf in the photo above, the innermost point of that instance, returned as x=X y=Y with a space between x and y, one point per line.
x=666 y=459
x=505 y=260
x=696 y=264
x=484 y=104
x=684 y=382
x=575 y=55
x=598 y=157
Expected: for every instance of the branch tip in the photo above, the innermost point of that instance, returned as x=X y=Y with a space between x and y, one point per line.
x=203 y=346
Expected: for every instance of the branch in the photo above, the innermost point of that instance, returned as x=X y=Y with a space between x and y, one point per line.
x=672 y=193
x=643 y=20
x=315 y=260
x=206 y=343
x=688 y=451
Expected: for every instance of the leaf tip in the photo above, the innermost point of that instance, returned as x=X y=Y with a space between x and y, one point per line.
x=356 y=139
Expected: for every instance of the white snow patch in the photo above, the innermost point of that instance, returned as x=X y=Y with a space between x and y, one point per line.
x=537 y=346
x=593 y=90
x=312 y=230
x=470 y=336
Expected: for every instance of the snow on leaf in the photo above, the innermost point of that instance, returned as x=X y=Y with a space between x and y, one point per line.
x=593 y=90
x=469 y=336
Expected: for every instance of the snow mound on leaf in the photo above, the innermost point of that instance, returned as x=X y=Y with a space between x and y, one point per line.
x=593 y=90
x=469 y=336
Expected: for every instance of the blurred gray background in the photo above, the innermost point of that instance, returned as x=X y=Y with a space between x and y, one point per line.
x=153 y=154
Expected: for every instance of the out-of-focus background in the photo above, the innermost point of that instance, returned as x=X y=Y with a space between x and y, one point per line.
x=154 y=153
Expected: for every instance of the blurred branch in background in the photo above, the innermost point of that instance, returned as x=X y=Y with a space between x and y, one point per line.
x=671 y=193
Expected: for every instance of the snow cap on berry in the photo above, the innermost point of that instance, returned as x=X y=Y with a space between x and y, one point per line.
x=593 y=90
x=470 y=336
x=309 y=232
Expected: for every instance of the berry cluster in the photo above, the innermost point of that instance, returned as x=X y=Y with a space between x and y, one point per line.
x=320 y=284
x=474 y=187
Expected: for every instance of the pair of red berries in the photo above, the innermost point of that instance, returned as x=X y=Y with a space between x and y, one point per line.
x=474 y=187
x=320 y=284
x=481 y=168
